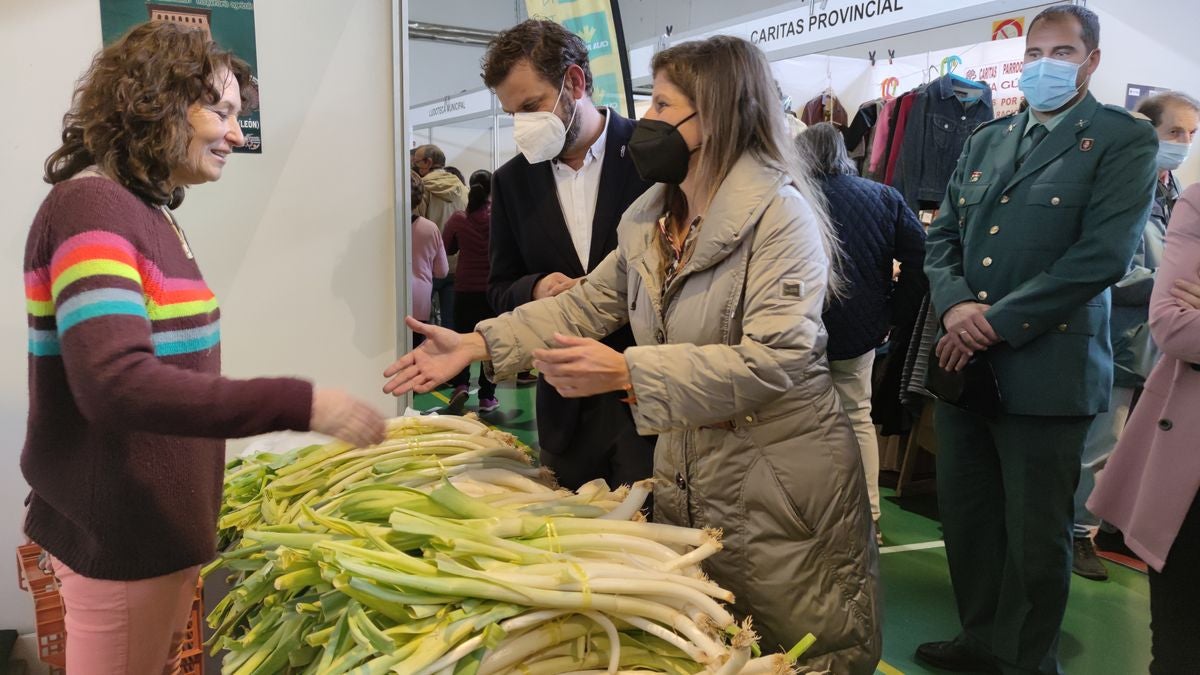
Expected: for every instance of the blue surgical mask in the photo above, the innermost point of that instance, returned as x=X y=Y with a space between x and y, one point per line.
x=1171 y=155
x=1049 y=84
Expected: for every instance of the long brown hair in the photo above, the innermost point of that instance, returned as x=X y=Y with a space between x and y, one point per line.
x=729 y=83
x=129 y=114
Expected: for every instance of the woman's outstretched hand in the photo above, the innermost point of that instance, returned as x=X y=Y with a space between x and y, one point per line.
x=442 y=356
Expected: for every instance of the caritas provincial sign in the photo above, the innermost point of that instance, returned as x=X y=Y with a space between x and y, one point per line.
x=816 y=25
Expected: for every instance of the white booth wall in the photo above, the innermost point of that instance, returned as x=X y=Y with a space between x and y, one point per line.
x=296 y=242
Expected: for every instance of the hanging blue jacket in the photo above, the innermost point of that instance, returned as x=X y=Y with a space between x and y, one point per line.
x=938 y=127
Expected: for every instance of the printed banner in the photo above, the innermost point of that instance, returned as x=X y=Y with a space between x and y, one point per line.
x=855 y=81
x=450 y=108
x=598 y=22
x=819 y=25
x=228 y=22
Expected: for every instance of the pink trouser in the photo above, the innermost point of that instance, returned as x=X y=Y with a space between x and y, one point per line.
x=125 y=627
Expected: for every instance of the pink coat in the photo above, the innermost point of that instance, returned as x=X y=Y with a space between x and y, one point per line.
x=1154 y=473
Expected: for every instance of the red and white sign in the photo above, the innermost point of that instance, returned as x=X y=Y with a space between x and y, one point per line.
x=1012 y=27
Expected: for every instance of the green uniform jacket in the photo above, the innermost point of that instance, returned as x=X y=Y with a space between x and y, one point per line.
x=1042 y=245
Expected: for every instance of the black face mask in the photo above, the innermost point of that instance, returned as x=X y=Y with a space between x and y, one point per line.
x=659 y=152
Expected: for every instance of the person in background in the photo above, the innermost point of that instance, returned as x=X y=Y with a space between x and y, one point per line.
x=428 y=256
x=454 y=171
x=1175 y=117
x=467 y=234
x=555 y=209
x=445 y=194
x=722 y=272
x=1151 y=487
x=876 y=228
x=1041 y=216
x=128 y=411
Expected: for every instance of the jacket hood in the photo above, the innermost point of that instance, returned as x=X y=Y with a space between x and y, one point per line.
x=444 y=184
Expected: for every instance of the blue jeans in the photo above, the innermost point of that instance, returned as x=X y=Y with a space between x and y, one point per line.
x=1101 y=440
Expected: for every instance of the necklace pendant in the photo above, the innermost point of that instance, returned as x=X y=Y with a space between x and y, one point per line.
x=183 y=242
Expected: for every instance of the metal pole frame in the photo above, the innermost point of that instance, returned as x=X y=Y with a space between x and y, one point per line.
x=402 y=207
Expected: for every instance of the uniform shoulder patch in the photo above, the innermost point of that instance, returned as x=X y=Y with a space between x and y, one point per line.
x=1123 y=114
x=982 y=125
x=1120 y=109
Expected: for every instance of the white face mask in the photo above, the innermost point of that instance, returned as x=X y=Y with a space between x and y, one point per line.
x=540 y=136
x=1171 y=155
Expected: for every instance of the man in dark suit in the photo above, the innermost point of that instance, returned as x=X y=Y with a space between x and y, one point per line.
x=555 y=210
x=1041 y=216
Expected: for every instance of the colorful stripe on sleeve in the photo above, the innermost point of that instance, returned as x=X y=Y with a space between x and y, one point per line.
x=51 y=293
x=92 y=254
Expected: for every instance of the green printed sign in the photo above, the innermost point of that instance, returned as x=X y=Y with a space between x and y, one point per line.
x=598 y=23
x=593 y=28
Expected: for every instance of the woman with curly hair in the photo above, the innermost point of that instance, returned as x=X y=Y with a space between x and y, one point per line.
x=124 y=449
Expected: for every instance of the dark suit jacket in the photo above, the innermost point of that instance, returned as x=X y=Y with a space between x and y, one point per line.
x=530 y=240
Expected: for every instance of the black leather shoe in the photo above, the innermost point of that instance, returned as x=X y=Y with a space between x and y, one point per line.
x=955 y=656
x=1086 y=563
x=1112 y=542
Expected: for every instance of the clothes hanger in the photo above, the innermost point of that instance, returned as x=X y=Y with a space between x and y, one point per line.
x=888 y=88
x=969 y=90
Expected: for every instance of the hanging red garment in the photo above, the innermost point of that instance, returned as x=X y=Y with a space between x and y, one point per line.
x=904 y=107
x=877 y=158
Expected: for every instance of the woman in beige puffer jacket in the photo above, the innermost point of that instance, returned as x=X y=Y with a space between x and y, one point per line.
x=730 y=367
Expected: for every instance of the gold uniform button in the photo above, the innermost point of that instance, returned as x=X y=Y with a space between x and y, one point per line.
x=1055 y=201
x=987 y=262
x=962 y=201
x=1004 y=199
x=994 y=229
x=1062 y=327
x=982 y=295
x=1025 y=326
x=749 y=419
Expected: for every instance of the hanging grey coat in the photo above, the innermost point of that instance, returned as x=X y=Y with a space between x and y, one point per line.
x=730 y=371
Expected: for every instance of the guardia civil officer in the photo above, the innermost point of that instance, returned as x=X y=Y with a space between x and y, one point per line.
x=1041 y=216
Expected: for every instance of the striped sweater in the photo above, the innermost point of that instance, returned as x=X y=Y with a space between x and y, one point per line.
x=124 y=448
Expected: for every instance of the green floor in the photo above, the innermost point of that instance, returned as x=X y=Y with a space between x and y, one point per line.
x=1107 y=624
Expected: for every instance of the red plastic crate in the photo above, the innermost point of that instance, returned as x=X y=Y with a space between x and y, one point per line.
x=51 y=628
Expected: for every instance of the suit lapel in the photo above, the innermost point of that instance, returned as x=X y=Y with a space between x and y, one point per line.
x=554 y=224
x=1060 y=140
x=610 y=194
